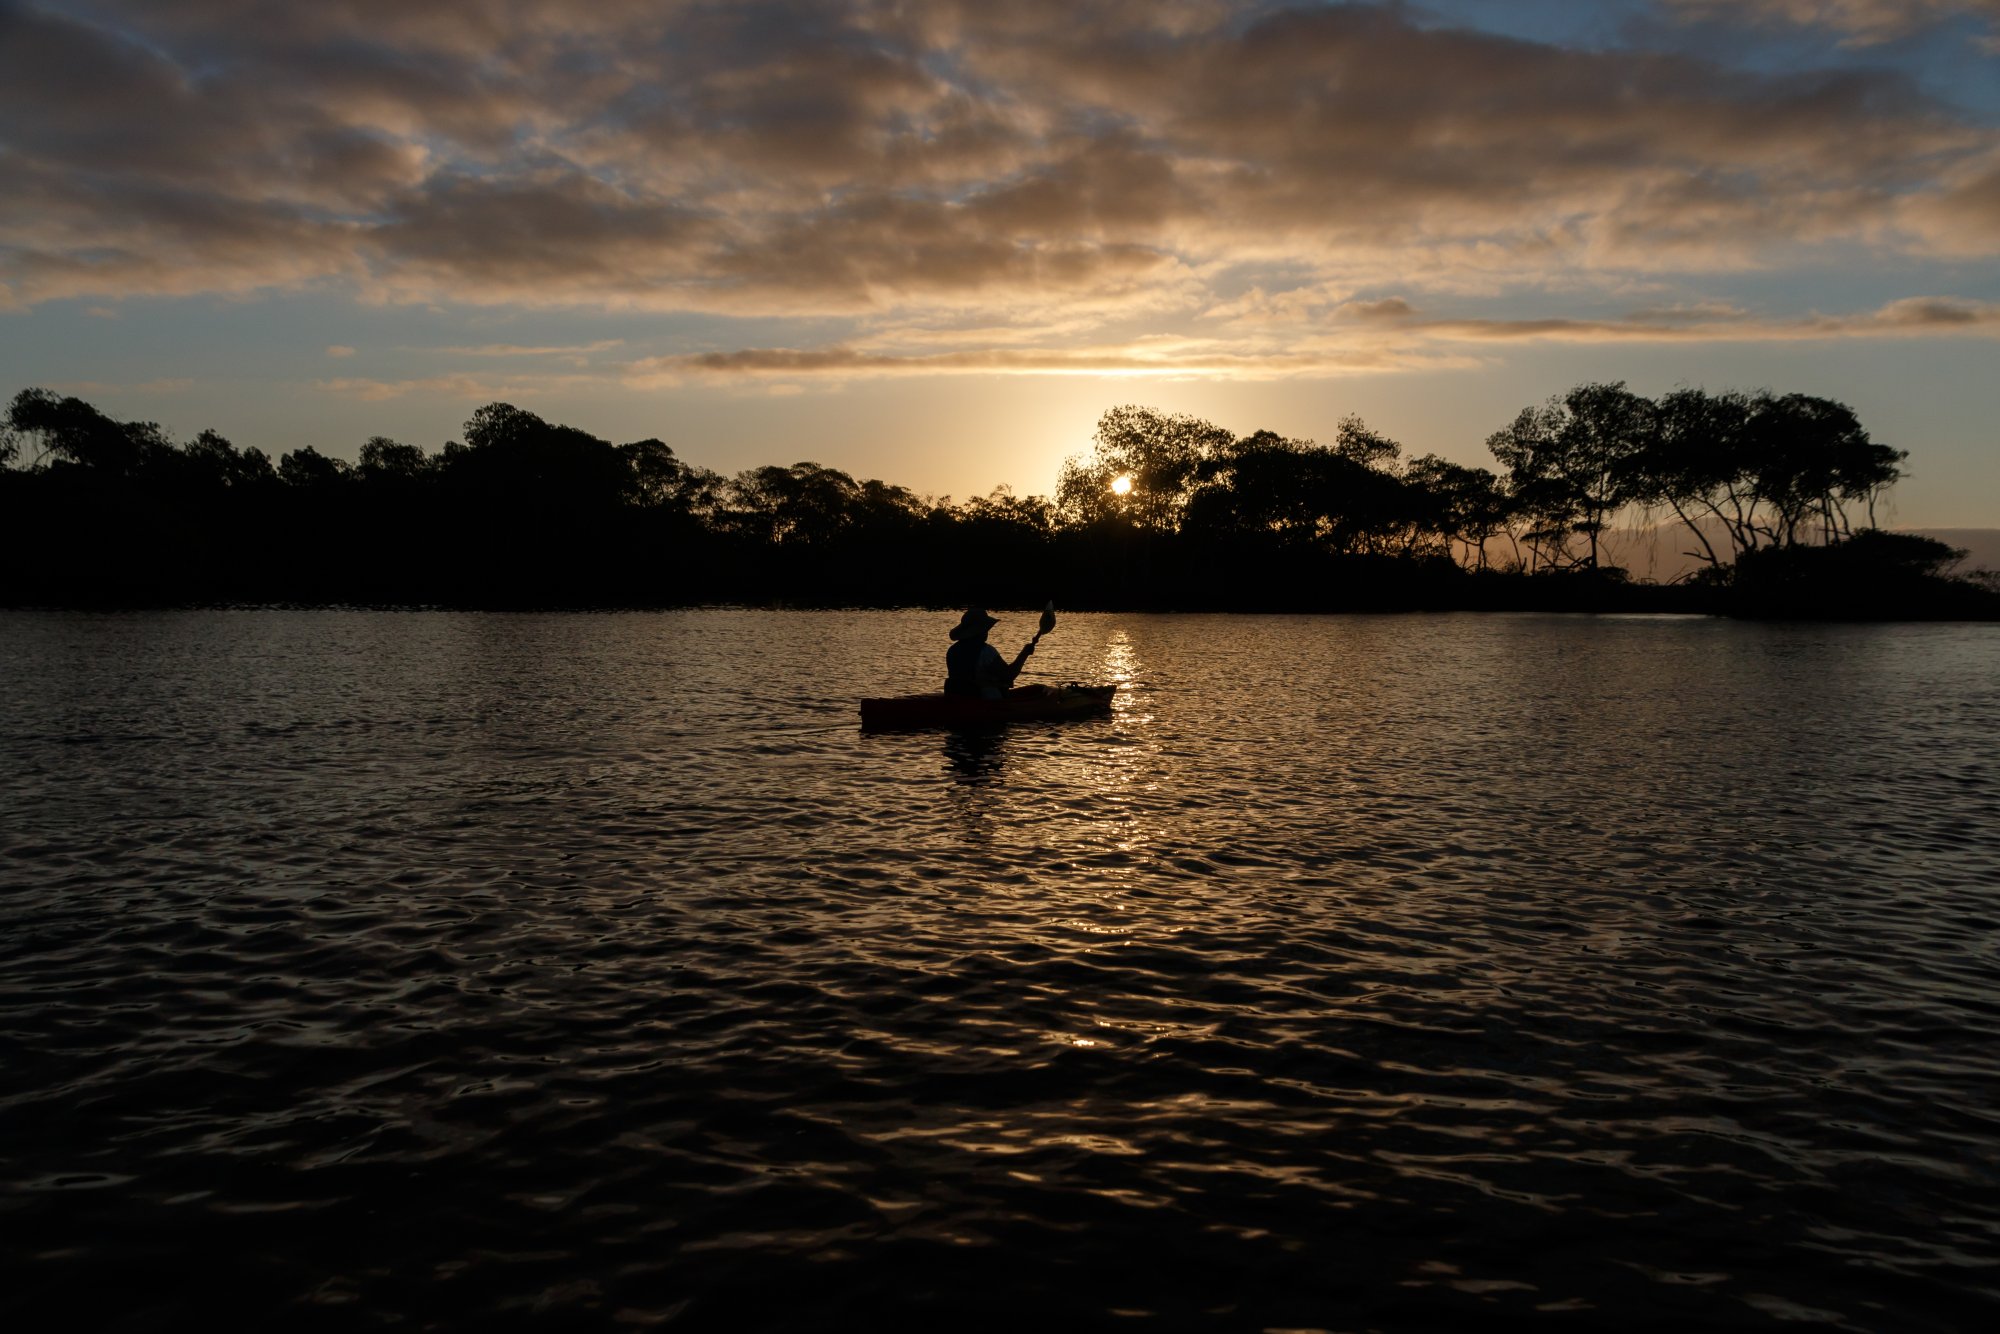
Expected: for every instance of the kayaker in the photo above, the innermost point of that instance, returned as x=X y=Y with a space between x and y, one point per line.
x=973 y=666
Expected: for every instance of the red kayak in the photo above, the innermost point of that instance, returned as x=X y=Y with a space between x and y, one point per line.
x=1023 y=703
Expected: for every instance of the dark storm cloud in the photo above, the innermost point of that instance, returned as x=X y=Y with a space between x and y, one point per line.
x=994 y=160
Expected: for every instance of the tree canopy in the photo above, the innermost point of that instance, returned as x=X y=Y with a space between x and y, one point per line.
x=525 y=510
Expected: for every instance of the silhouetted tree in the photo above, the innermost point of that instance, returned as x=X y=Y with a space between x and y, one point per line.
x=1872 y=575
x=658 y=478
x=1697 y=465
x=704 y=493
x=1161 y=454
x=1280 y=495
x=1762 y=469
x=1571 y=465
x=1000 y=510
x=1467 y=506
x=218 y=463
x=308 y=469
x=1356 y=443
x=73 y=432
x=881 y=507
x=526 y=511
x=1811 y=458
x=1261 y=489
x=803 y=504
x=386 y=461
x=514 y=460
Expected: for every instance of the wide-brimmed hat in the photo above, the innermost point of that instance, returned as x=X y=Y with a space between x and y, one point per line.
x=975 y=620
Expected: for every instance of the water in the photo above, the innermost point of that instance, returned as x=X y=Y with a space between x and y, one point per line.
x=361 y=969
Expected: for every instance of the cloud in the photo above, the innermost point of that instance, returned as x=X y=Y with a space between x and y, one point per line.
x=570 y=352
x=1384 y=335
x=1961 y=215
x=1192 y=361
x=938 y=166
x=1388 y=308
x=1866 y=22
x=1932 y=312
x=339 y=350
x=1721 y=323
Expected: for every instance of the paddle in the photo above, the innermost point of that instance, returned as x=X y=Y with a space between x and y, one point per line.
x=1048 y=623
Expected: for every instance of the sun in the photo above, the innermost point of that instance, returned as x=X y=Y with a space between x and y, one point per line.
x=1121 y=486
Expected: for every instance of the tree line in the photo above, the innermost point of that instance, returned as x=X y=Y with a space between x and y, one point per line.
x=1776 y=496
x=1739 y=472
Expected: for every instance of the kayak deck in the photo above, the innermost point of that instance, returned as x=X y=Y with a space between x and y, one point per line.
x=1022 y=704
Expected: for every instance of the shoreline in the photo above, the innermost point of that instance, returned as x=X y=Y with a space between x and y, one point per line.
x=587 y=607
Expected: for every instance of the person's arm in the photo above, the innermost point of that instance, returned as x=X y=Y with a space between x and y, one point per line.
x=994 y=670
x=1020 y=661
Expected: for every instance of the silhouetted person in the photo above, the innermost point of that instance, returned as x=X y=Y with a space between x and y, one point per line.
x=973 y=666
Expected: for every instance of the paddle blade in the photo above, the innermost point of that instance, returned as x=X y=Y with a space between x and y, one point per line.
x=1048 y=617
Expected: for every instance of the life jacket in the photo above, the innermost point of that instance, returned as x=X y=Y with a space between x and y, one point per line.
x=961 y=665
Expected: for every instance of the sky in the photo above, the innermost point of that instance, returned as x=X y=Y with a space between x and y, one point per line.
x=932 y=242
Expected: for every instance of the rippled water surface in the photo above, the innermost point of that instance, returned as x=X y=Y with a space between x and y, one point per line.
x=365 y=969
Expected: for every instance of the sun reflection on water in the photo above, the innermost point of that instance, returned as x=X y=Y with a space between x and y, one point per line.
x=1121 y=660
